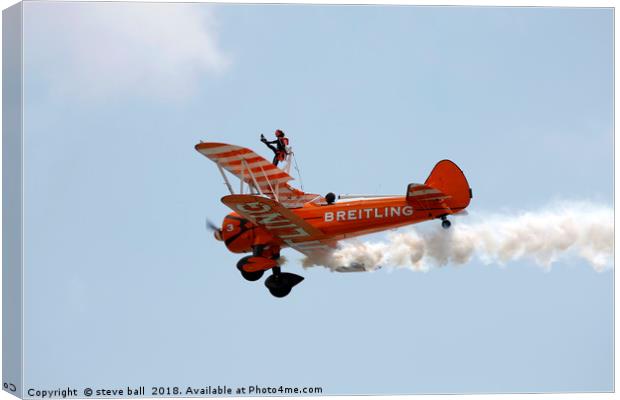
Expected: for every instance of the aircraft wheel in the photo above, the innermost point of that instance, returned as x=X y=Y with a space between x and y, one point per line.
x=280 y=284
x=248 y=276
x=445 y=224
x=252 y=276
x=280 y=291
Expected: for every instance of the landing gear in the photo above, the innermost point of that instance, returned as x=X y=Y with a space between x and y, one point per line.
x=445 y=224
x=252 y=276
x=254 y=266
x=281 y=283
x=248 y=276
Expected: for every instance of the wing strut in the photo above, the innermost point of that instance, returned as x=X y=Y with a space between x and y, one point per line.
x=256 y=186
x=252 y=170
x=275 y=194
x=242 y=172
x=230 y=189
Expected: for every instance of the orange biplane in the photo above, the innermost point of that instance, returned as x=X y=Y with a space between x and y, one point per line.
x=273 y=215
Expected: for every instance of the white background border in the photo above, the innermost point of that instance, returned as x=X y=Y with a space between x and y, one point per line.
x=542 y=3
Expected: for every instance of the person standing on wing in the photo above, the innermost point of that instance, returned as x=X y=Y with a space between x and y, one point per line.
x=279 y=149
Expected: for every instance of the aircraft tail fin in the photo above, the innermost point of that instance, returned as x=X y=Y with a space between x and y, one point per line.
x=448 y=178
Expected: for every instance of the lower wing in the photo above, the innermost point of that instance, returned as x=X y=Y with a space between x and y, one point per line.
x=290 y=228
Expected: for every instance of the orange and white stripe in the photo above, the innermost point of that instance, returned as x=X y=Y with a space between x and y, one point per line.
x=424 y=197
x=239 y=161
x=236 y=159
x=417 y=191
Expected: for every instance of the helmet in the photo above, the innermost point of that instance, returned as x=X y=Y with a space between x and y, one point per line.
x=279 y=133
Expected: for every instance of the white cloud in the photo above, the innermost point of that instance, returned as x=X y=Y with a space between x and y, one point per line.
x=103 y=49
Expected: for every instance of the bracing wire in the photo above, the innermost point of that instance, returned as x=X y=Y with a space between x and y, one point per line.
x=301 y=182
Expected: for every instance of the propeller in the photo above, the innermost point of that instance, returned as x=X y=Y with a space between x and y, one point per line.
x=210 y=226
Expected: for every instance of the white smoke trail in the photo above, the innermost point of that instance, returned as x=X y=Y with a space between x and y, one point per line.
x=582 y=230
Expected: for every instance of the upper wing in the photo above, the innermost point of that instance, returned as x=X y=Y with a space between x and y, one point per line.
x=256 y=172
x=239 y=161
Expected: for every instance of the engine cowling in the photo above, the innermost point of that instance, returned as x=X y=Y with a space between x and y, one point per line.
x=240 y=235
x=237 y=233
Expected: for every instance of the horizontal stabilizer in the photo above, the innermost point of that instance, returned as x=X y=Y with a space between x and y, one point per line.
x=423 y=197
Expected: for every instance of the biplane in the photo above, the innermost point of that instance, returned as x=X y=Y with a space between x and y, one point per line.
x=268 y=214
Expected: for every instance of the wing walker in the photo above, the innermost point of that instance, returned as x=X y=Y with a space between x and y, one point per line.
x=268 y=214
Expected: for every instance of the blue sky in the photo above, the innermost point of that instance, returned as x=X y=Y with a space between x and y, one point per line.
x=119 y=268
